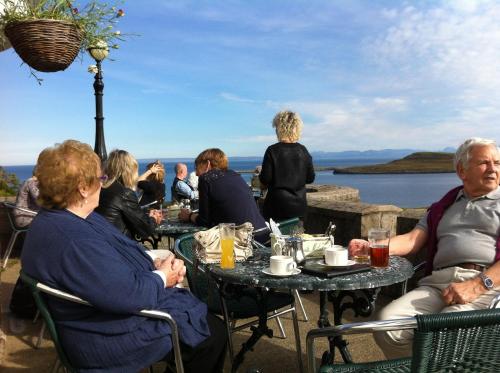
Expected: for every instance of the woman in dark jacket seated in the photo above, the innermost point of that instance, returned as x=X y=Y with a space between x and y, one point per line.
x=118 y=201
x=72 y=248
x=224 y=196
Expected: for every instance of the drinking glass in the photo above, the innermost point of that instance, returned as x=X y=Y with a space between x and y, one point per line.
x=362 y=252
x=379 y=238
x=226 y=231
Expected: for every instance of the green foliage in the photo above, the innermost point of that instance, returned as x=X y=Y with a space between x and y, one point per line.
x=9 y=183
x=94 y=19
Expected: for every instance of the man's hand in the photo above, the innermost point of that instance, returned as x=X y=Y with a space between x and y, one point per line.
x=463 y=292
x=156 y=215
x=184 y=214
x=358 y=247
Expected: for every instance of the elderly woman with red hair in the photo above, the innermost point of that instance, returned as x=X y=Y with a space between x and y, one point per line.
x=72 y=248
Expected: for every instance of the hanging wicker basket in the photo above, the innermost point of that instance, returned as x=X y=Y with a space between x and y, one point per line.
x=46 y=45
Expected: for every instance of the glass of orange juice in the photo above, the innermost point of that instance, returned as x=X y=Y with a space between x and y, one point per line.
x=226 y=231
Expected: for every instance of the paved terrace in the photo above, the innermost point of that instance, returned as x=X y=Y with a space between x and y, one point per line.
x=17 y=353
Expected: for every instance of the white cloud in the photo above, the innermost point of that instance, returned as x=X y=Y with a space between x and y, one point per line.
x=457 y=44
x=233 y=97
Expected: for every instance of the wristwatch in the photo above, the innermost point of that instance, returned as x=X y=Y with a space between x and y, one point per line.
x=487 y=282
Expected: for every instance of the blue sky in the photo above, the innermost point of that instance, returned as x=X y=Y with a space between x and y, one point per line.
x=363 y=75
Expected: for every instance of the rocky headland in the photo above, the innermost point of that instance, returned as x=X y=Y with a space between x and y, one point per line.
x=416 y=163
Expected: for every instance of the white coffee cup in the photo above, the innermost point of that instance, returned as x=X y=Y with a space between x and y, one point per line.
x=277 y=244
x=282 y=265
x=336 y=255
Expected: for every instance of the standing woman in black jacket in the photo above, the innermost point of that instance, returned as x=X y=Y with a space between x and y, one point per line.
x=286 y=169
x=118 y=202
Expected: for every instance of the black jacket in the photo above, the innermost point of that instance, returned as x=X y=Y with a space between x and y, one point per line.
x=286 y=169
x=119 y=205
x=226 y=198
x=153 y=191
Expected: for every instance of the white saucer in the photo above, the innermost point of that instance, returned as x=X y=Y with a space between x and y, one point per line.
x=348 y=264
x=267 y=271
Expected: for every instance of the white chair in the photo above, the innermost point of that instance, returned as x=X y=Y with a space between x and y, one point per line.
x=16 y=230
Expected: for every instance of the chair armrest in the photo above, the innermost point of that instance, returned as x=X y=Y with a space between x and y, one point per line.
x=353 y=328
x=175 y=334
x=419 y=266
x=14 y=207
x=61 y=294
x=494 y=302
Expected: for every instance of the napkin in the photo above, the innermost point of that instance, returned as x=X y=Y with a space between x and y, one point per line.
x=274 y=228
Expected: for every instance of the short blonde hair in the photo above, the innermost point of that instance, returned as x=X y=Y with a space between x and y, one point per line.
x=62 y=169
x=288 y=126
x=217 y=158
x=122 y=166
x=159 y=176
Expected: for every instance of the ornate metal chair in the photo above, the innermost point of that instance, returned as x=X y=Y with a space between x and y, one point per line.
x=16 y=230
x=445 y=342
x=37 y=288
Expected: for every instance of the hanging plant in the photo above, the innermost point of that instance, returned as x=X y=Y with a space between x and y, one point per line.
x=49 y=34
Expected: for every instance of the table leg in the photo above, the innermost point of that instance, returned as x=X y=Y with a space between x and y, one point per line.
x=362 y=303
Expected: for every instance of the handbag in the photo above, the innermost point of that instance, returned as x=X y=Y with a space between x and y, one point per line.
x=207 y=244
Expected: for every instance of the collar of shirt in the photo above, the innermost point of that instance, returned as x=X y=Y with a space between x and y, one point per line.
x=495 y=194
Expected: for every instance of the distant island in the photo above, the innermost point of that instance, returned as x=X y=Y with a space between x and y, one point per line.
x=416 y=163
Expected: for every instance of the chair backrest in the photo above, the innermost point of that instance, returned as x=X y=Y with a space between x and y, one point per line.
x=457 y=341
x=44 y=311
x=200 y=283
x=288 y=226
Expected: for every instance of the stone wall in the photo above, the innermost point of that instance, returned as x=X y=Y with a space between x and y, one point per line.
x=353 y=219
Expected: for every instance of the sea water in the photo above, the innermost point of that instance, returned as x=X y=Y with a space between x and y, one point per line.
x=403 y=190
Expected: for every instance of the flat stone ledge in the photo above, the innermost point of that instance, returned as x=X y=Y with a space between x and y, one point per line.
x=321 y=192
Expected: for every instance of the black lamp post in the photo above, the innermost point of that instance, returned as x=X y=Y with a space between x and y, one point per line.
x=99 y=53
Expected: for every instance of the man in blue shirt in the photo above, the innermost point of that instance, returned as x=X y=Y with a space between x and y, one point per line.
x=180 y=187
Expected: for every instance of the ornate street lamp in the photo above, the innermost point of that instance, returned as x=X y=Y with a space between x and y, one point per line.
x=99 y=53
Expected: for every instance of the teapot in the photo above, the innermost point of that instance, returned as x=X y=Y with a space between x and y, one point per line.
x=293 y=247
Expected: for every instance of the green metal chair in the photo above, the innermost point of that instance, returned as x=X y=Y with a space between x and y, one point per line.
x=242 y=306
x=445 y=342
x=37 y=288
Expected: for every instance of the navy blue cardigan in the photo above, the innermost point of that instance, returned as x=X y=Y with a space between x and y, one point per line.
x=92 y=259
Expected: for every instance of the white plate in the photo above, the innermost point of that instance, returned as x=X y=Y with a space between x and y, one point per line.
x=348 y=264
x=267 y=271
x=160 y=253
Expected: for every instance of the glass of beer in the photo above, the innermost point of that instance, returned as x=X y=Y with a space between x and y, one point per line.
x=378 y=238
x=226 y=231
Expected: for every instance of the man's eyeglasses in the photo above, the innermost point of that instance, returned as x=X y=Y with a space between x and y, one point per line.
x=103 y=178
